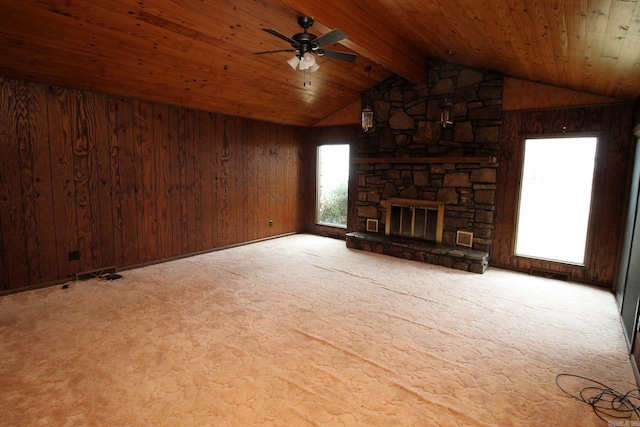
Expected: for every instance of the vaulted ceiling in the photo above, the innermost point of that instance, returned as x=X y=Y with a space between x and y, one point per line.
x=199 y=53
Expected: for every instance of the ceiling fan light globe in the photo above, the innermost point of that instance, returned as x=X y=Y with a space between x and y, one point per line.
x=309 y=59
x=293 y=62
x=314 y=67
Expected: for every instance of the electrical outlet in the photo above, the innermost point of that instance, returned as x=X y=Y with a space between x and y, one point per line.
x=270 y=223
x=74 y=255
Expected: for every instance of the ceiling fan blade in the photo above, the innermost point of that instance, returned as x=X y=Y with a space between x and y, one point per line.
x=274 y=51
x=331 y=37
x=281 y=36
x=335 y=54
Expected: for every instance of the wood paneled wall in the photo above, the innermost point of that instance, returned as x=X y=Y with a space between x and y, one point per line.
x=128 y=182
x=613 y=124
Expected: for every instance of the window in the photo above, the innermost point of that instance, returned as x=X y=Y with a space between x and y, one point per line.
x=332 y=185
x=555 y=198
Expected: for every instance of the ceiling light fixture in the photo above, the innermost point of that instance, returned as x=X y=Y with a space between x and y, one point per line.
x=304 y=62
x=306 y=45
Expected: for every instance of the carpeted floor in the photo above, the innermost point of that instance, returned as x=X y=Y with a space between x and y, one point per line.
x=302 y=331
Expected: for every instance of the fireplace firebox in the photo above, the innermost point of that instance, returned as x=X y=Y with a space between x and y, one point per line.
x=415 y=219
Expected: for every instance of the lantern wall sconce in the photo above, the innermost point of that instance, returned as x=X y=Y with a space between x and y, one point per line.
x=366 y=117
x=445 y=113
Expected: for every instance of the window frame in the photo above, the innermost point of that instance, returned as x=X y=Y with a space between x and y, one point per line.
x=518 y=193
x=319 y=182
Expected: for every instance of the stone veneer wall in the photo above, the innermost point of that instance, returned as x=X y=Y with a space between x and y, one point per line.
x=406 y=126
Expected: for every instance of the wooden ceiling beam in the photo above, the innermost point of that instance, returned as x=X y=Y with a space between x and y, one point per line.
x=382 y=44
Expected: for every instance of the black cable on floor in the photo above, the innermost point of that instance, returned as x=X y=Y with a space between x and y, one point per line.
x=606 y=402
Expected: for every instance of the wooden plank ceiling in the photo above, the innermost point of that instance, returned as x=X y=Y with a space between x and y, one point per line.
x=198 y=53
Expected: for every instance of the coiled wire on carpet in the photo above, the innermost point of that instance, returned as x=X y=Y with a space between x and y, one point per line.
x=606 y=402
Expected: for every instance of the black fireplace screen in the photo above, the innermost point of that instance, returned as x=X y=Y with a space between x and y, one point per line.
x=417 y=219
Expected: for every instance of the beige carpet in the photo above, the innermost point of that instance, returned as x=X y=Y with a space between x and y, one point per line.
x=303 y=331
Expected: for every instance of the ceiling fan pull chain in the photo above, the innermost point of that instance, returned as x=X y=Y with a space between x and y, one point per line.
x=306 y=82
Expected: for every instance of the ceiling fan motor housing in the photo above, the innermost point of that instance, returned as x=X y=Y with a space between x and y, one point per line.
x=304 y=42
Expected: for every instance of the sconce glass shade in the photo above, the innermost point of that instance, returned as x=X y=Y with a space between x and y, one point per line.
x=367 y=119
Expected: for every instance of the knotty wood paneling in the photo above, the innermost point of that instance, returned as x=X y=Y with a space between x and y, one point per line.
x=175 y=185
x=207 y=180
x=126 y=158
x=249 y=180
x=104 y=202
x=11 y=210
x=84 y=175
x=613 y=125
x=43 y=197
x=195 y=53
x=525 y=95
x=25 y=163
x=224 y=209
x=162 y=180
x=188 y=140
x=128 y=182
x=62 y=184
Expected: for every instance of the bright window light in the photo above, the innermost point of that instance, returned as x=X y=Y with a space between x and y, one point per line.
x=332 y=185
x=555 y=198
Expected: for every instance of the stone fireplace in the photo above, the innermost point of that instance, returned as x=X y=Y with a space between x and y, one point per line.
x=409 y=154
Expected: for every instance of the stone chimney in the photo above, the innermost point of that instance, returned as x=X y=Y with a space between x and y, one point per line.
x=410 y=155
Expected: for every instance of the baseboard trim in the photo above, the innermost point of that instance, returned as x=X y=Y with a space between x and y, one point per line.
x=131 y=267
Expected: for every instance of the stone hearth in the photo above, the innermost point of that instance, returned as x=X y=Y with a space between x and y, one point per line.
x=432 y=253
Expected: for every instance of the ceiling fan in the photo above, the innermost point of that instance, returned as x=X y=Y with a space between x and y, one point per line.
x=306 y=44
